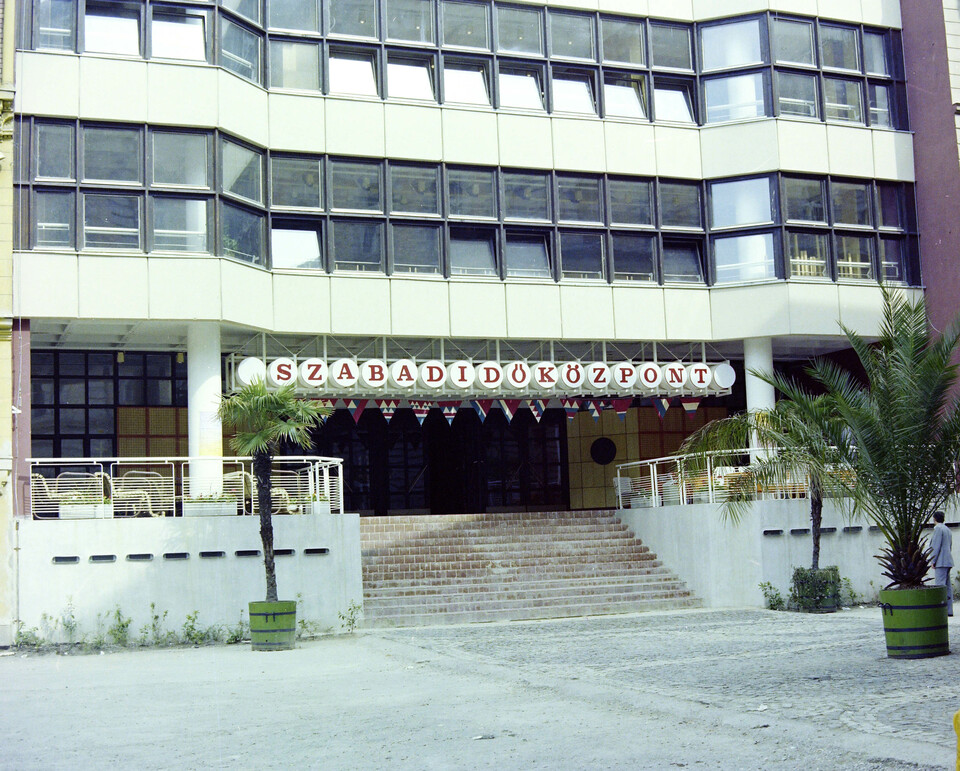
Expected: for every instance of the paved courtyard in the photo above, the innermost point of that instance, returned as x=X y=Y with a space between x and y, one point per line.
x=684 y=689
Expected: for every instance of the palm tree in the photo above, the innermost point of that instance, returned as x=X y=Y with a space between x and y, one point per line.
x=262 y=419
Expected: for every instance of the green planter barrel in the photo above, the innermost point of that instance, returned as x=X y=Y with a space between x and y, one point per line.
x=273 y=625
x=915 y=622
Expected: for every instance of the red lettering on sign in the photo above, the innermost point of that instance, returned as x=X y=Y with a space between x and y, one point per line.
x=346 y=373
x=574 y=373
x=314 y=371
x=462 y=377
x=434 y=374
x=491 y=375
x=600 y=375
x=404 y=375
x=700 y=375
x=375 y=373
x=675 y=375
x=284 y=372
x=624 y=375
x=544 y=377
x=518 y=374
x=650 y=375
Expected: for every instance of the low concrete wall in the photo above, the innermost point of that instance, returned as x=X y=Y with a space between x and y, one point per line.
x=218 y=587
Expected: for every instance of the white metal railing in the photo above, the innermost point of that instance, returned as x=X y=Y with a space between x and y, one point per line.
x=83 y=488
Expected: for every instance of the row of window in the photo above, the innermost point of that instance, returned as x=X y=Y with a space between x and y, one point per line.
x=642 y=73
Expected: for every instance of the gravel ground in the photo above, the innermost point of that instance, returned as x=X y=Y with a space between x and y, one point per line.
x=683 y=689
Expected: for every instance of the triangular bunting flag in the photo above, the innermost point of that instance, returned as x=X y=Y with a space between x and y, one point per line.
x=690 y=404
x=593 y=407
x=621 y=406
x=387 y=407
x=537 y=407
x=482 y=406
x=449 y=410
x=356 y=408
x=662 y=404
x=329 y=404
x=509 y=407
x=421 y=409
x=571 y=407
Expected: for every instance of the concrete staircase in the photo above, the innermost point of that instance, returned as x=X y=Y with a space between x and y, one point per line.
x=432 y=569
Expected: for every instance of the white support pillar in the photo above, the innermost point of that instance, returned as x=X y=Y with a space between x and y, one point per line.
x=205 y=436
x=758 y=356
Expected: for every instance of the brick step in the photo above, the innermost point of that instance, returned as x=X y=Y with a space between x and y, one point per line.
x=500 y=551
x=529 y=577
x=422 y=573
x=504 y=559
x=530 y=589
x=499 y=516
x=475 y=528
x=503 y=535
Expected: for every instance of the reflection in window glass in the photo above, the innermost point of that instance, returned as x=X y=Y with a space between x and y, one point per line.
x=414 y=189
x=842 y=100
x=571 y=35
x=744 y=258
x=294 y=65
x=178 y=36
x=410 y=20
x=295 y=248
x=680 y=205
x=355 y=185
x=519 y=30
x=803 y=200
x=673 y=101
x=742 y=202
x=838 y=48
x=410 y=79
x=472 y=252
x=295 y=182
x=247 y=8
x=54 y=151
x=850 y=202
x=875 y=53
x=466 y=24
x=734 y=98
x=622 y=41
x=633 y=257
x=242 y=234
x=357 y=245
x=294 y=14
x=352 y=17
x=891 y=260
x=808 y=254
x=581 y=255
x=889 y=205
x=352 y=75
x=472 y=193
x=579 y=199
x=670 y=46
x=55 y=20
x=526 y=195
x=239 y=49
x=466 y=83
x=180 y=159
x=797 y=94
x=630 y=202
x=526 y=256
x=736 y=44
x=111 y=30
x=179 y=224
x=416 y=249
x=242 y=171
x=521 y=89
x=681 y=261
x=111 y=154
x=573 y=92
x=54 y=218
x=624 y=96
x=854 y=257
x=111 y=221
x=880 y=105
x=793 y=41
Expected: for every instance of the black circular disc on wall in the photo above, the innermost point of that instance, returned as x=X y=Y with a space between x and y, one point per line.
x=603 y=451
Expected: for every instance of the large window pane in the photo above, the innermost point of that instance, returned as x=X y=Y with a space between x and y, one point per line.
x=294 y=65
x=180 y=159
x=734 y=98
x=111 y=221
x=680 y=205
x=850 y=203
x=294 y=14
x=466 y=83
x=744 y=258
x=673 y=101
x=240 y=49
x=242 y=171
x=111 y=154
x=410 y=20
x=352 y=17
x=249 y=9
x=296 y=182
x=571 y=35
x=520 y=30
x=581 y=255
x=743 y=202
x=573 y=92
x=472 y=193
x=890 y=205
x=881 y=105
x=178 y=36
x=630 y=202
x=670 y=46
x=472 y=252
x=296 y=248
x=55 y=21
x=793 y=41
x=466 y=24
x=892 y=260
x=111 y=30
x=803 y=200
x=526 y=196
x=839 y=47
x=521 y=89
x=54 y=218
x=356 y=185
x=624 y=96
x=579 y=199
x=242 y=234
x=357 y=245
x=842 y=100
x=854 y=257
x=797 y=94
x=179 y=224
x=414 y=189
x=681 y=261
x=416 y=249
x=352 y=74
x=731 y=45
x=808 y=254
x=875 y=54
x=410 y=78
x=526 y=256
x=633 y=257
x=54 y=151
x=622 y=41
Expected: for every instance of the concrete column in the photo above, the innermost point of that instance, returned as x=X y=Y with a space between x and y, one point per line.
x=204 y=434
x=758 y=355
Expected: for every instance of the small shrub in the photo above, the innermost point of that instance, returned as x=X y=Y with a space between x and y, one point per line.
x=848 y=595
x=28 y=639
x=351 y=618
x=98 y=641
x=815 y=590
x=68 y=622
x=119 y=630
x=238 y=633
x=772 y=596
x=191 y=632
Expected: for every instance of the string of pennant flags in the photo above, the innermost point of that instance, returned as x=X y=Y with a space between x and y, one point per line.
x=509 y=407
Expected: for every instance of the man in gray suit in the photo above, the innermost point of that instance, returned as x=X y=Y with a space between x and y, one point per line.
x=941 y=557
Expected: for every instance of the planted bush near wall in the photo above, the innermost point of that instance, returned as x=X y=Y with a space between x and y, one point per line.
x=815 y=591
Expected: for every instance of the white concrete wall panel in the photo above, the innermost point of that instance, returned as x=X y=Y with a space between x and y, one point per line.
x=630 y=148
x=734 y=150
x=680 y=10
x=850 y=151
x=112 y=89
x=242 y=108
x=638 y=313
x=711 y=9
x=687 y=312
x=749 y=311
x=35 y=94
x=46 y=285
x=301 y=304
x=354 y=127
x=586 y=5
x=478 y=309
x=632 y=7
x=113 y=287
x=359 y=306
x=893 y=155
x=470 y=136
x=860 y=308
x=533 y=311
x=578 y=145
x=882 y=13
x=184 y=288
x=297 y=123
x=813 y=309
x=419 y=307
x=844 y=10
x=803 y=146
x=246 y=294
x=802 y=7
x=182 y=95
x=526 y=141
x=413 y=131
x=678 y=152
x=587 y=312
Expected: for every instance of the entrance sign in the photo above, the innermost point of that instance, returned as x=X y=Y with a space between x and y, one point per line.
x=545 y=375
x=462 y=374
x=518 y=374
x=281 y=372
x=312 y=373
x=403 y=373
x=625 y=376
x=433 y=374
x=489 y=375
x=571 y=375
x=373 y=373
x=674 y=375
x=598 y=376
x=344 y=373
